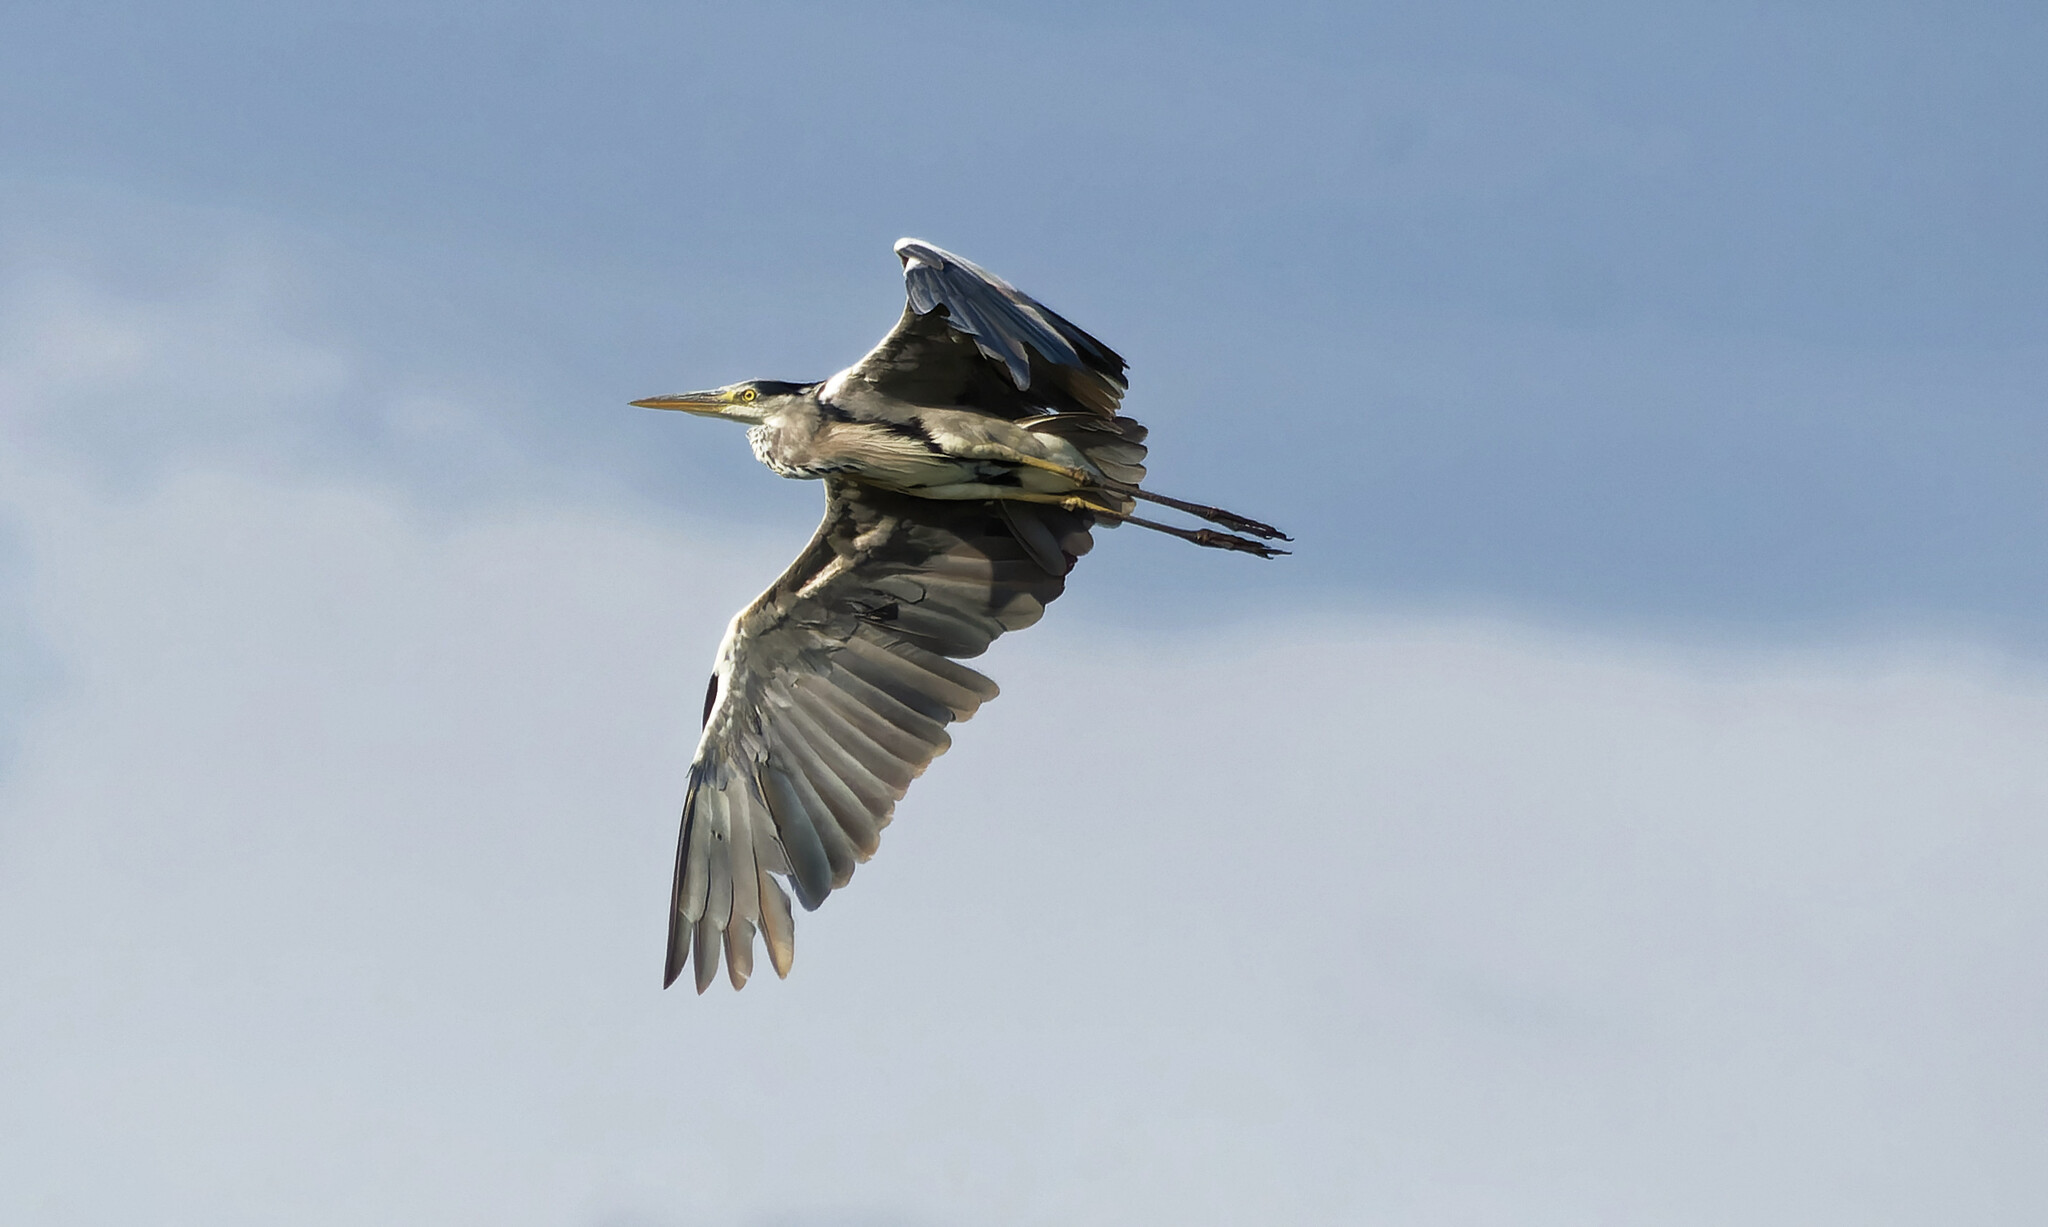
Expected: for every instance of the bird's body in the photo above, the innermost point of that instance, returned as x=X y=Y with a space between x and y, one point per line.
x=966 y=459
x=927 y=450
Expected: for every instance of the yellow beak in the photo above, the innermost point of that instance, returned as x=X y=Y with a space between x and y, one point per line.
x=711 y=404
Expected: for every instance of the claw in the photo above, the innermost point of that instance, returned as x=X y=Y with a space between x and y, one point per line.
x=1244 y=524
x=1225 y=541
x=1217 y=515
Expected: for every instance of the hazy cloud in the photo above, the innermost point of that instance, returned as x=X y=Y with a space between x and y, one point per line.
x=334 y=878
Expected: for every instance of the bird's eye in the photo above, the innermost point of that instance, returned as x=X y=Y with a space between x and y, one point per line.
x=747 y=394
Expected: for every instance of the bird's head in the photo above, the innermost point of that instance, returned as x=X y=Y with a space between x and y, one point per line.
x=750 y=402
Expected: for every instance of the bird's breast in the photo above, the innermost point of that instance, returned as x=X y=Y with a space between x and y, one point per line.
x=792 y=452
x=899 y=454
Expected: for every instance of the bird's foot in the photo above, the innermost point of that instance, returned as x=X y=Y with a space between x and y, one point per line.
x=1217 y=515
x=1227 y=541
x=1245 y=524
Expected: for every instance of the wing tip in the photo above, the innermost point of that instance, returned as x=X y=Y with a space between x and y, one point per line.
x=704 y=953
x=908 y=249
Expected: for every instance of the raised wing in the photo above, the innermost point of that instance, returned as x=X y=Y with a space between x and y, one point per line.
x=833 y=691
x=971 y=339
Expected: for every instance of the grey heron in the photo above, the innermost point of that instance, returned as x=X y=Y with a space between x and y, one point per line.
x=966 y=459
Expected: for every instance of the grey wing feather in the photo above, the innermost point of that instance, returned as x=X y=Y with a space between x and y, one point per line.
x=968 y=338
x=833 y=692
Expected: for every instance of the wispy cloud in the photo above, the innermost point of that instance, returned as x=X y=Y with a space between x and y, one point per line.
x=335 y=873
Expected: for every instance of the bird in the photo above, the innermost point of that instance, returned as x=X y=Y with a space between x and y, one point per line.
x=966 y=458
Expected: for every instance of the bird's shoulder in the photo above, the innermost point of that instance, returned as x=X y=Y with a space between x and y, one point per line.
x=967 y=338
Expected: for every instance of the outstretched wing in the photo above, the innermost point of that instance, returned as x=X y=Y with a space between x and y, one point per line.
x=833 y=691
x=968 y=338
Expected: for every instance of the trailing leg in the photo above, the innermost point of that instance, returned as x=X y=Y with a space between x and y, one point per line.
x=1207 y=537
x=1211 y=538
x=1215 y=515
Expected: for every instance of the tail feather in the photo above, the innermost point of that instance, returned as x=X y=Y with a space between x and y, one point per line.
x=1116 y=446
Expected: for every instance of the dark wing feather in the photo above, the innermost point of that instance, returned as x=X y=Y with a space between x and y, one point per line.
x=833 y=691
x=968 y=338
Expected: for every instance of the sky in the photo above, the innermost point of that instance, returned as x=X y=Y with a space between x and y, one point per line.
x=1625 y=806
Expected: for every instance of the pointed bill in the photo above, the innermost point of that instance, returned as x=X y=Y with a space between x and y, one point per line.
x=712 y=403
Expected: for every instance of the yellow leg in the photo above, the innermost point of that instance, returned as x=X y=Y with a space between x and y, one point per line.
x=996 y=451
x=1071 y=502
x=1077 y=476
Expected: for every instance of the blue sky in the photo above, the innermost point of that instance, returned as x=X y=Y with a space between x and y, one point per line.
x=1708 y=317
x=1624 y=807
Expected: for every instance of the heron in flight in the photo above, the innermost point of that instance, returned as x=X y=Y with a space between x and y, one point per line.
x=966 y=459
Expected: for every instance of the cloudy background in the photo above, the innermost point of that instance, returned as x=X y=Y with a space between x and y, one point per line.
x=1626 y=807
